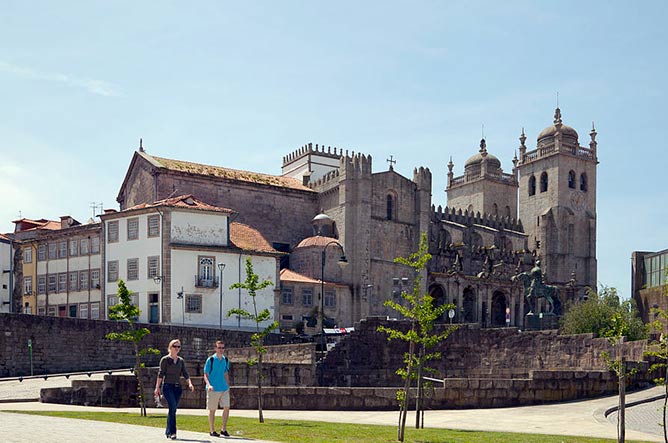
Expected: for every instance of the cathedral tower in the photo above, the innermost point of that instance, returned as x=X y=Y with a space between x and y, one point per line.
x=557 y=203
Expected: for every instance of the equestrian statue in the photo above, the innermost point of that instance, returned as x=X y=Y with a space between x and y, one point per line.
x=534 y=288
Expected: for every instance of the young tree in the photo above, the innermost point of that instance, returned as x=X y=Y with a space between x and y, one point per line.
x=127 y=312
x=618 y=329
x=419 y=309
x=659 y=351
x=253 y=284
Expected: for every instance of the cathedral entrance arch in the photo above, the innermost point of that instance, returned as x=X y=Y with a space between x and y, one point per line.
x=469 y=306
x=439 y=296
x=499 y=305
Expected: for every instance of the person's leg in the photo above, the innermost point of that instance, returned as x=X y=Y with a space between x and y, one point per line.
x=168 y=393
x=225 y=401
x=211 y=406
x=177 y=396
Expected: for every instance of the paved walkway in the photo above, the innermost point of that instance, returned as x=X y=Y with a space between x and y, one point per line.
x=581 y=418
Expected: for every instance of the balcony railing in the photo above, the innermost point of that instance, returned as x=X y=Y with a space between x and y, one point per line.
x=204 y=282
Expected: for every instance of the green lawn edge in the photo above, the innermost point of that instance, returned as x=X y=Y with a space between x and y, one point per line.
x=320 y=432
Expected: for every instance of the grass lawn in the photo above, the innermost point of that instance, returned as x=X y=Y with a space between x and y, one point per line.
x=319 y=432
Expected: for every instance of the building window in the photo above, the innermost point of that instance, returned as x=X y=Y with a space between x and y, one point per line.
x=391 y=207
x=84 y=246
x=112 y=300
x=62 y=249
x=307 y=297
x=41 y=284
x=95 y=278
x=330 y=299
x=286 y=296
x=133 y=269
x=153 y=222
x=74 y=248
x=532 y=185
x=27 y=255
x=583 y=182
x=41 y=310
x=27 y=285
x=53 y=251
x=51 y=311
x=543 y=182
x=73 y=310
x=112 y=231
x=206 y=273
x=655 y=266
x=83 y=280
x=62 y=282
x=53 y=283
x=133 y=228
x=112 y=271
x=571 y=179
x=74 y=277
x=41 y=252
x=94 y=311
x=495 y=209
x=83 y=310
x=152 y=265
x=194 y=303
x=95 y=245
x=287 y=317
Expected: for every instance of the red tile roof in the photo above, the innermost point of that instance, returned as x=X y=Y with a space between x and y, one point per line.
x=288 y=275
x=26 y=224
x=230 y=174
x=247 y=238
x=182 y=201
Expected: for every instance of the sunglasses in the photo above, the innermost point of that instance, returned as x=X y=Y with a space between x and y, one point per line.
x=176 y=346
x=220 y=347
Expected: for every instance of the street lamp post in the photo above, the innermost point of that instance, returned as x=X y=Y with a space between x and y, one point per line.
x=221 y=266
x=342 y=262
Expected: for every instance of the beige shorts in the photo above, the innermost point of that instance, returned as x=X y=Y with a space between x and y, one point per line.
x=216 y=399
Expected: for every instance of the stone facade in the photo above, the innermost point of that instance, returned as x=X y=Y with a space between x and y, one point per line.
x=649 y=282
x=478 y=242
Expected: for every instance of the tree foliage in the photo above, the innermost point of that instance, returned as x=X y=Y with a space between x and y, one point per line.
x=252 y=284
x=658 y=351
x=127 y=312
x=601 y=314
x=418 y=307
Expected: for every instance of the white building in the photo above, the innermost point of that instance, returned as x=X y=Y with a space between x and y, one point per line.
x=7 y=269
x=179 y=257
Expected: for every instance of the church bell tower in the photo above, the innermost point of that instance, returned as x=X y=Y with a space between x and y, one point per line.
x=557 y=203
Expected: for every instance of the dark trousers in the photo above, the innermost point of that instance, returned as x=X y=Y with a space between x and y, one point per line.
x=172 y=393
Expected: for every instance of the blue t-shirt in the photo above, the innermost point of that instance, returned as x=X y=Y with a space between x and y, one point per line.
x=215 y=369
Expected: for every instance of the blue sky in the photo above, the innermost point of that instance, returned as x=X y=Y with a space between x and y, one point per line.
x=243 y=84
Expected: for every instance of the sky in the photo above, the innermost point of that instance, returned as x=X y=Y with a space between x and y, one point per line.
x=241 y=84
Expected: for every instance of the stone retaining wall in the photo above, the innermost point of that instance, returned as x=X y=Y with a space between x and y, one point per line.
x=70 y=344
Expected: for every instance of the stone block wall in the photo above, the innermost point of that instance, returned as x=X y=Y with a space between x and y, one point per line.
x=70 y=345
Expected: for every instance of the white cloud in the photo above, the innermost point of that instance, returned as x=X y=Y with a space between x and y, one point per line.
x=98 y=87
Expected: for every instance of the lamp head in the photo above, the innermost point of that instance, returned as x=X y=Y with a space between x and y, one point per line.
x=343 y=261
x=221 y=266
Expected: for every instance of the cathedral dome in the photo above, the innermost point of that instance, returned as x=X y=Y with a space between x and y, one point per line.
x=317 y=240
x=565 y=130
x=473 y=165
x=477 y=159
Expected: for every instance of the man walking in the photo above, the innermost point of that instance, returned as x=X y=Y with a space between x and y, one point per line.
x=217 y=378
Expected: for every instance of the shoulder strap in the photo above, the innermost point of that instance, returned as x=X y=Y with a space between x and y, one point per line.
x=211 y=367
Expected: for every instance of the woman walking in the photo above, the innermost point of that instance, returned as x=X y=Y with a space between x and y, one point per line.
x=172 y=367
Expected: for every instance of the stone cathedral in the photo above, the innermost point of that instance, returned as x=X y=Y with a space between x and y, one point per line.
x=495 y=224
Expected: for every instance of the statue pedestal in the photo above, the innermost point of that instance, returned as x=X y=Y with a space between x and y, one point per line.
x=537 y=322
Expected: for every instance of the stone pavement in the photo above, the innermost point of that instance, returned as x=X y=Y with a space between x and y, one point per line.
x=580 y=418
x=645 y=417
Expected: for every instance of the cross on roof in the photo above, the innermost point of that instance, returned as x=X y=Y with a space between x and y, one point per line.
x=392 y=162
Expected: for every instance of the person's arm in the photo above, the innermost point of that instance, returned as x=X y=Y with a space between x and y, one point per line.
x=184 y=372
x=227 y=374
x=161 y=376
x=207 y=369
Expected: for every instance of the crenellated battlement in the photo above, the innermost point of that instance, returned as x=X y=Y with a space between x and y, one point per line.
x=330 y=176
x=469 y=219
x=355 y=165
x=309 y=148
x=422 y=177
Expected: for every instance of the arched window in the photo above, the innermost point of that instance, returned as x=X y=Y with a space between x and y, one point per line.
x=532 y=185
x=507 y=211
x=543 y=182
x=391 y=207
x=571 y=179
x=495 y=209
x=583 y=182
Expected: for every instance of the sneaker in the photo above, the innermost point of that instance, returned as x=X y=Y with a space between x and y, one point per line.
x=173 y=437
x=214 y=434
x=224 y=433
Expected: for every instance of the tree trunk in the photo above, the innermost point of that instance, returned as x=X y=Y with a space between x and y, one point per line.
x=259 y=388
x=140 y=383
x=665 y=403
x=419 y=399
x=621 y=416
x=407 y=387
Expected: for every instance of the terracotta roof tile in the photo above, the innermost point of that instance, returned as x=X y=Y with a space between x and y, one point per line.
x=247 y=238
x=27 y=224
x=317 y=240
x=231 y=174
x=182 y=201
x=288 y=275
